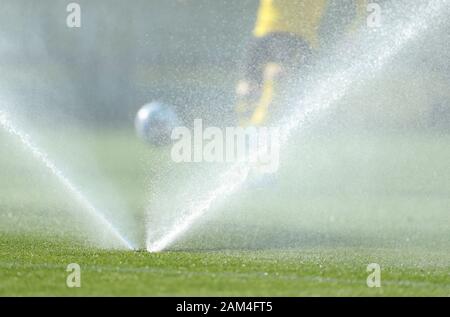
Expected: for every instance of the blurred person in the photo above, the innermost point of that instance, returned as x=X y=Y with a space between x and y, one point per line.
x=287 y=36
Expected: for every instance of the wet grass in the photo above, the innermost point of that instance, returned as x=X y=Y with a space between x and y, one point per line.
x=351 y=201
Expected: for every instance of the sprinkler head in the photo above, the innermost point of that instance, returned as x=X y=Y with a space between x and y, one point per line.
x=139 y=251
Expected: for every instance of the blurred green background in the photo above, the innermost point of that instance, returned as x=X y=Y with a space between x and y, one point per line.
x=125 y=54
x=186 y=53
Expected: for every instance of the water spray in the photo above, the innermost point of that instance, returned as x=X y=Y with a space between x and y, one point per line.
x=39 y=155
x=321 y=95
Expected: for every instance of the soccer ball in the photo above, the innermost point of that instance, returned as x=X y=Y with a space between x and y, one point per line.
x=154 y=123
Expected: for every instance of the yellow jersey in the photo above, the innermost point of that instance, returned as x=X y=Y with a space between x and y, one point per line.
x=312 y=20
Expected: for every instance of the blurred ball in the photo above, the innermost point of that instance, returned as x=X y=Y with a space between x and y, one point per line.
x=154 y=123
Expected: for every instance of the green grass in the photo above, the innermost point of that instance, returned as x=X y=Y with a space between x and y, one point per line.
x=362 y=200
x=34 y=267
